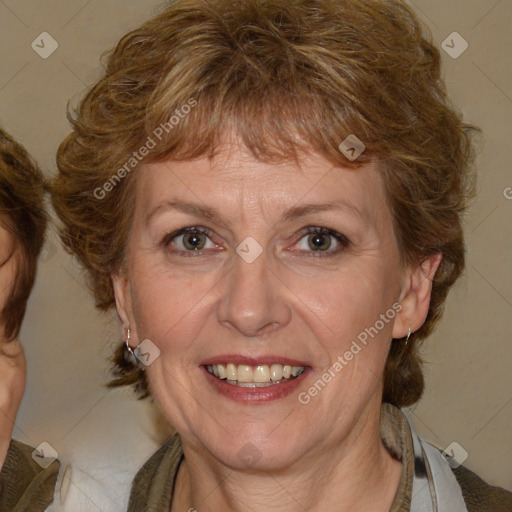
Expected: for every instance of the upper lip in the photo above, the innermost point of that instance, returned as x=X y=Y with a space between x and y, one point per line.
x=252 y=361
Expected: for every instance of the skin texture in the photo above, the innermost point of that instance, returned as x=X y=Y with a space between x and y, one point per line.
x=326 y=455
x=12 y=357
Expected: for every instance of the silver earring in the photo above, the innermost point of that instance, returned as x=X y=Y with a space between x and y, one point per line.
x=135 y=360
x=127 y=343
x=408 y=336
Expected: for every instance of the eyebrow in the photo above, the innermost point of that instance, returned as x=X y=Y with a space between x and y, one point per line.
x=214 y=215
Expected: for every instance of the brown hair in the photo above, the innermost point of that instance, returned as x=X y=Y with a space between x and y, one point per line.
x=287 y=76
x=22 y=189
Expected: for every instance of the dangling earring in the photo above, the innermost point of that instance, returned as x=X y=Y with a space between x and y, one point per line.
x=127 y=343
x=408 y=336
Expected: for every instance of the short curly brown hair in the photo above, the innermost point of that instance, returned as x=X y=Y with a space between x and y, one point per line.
x=22 y=213
x=285 y=75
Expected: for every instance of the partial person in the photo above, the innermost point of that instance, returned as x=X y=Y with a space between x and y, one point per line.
x=271 y=195
x=24 y=484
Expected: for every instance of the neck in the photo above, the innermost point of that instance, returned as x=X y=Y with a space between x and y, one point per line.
x=359 y=475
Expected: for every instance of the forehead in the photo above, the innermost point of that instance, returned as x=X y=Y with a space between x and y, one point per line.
x=236 y=179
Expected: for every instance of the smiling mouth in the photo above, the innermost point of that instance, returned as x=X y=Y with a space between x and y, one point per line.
x=255 y=376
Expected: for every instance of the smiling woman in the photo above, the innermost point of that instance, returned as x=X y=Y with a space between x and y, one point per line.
x=294 y=235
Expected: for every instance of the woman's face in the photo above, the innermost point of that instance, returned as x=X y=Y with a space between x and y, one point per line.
x=263 y=291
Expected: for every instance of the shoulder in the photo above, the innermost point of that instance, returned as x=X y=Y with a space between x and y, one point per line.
x=478 y=495
x=481 y=496
x=153 y=483
x=166 y=457
x=25 y=484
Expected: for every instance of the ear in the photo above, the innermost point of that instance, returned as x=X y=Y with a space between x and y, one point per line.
x=123 y=297
x=415 y=296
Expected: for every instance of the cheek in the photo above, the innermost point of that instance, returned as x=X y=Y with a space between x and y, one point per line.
x=347 y=308
x=166 y=306
x=350 y=296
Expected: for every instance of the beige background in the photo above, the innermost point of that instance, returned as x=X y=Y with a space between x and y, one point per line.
x=106 y=434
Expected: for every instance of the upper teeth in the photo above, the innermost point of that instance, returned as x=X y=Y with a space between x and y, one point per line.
x=259 y=373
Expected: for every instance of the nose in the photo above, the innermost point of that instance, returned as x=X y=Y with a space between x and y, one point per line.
x=254 y=299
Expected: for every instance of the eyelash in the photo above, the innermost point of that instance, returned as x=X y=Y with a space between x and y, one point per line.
x=310 y=230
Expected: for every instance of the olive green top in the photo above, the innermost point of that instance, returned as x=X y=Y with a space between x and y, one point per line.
x=24 y=485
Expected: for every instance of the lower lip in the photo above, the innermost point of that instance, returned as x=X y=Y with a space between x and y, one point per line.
x=254 y=395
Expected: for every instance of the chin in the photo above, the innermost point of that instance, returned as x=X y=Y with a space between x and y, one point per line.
x=254 y=449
